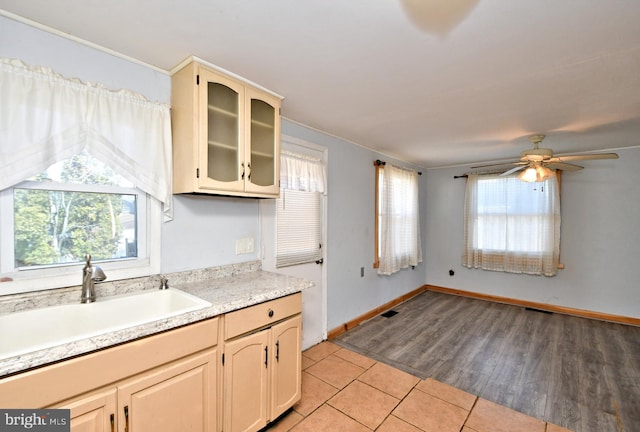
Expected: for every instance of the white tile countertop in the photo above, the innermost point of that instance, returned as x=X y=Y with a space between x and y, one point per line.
x=227 y=288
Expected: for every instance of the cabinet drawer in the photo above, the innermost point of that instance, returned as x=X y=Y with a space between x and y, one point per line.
x=261 y=315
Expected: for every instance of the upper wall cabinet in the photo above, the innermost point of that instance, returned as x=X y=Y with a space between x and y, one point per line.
x=226 y=134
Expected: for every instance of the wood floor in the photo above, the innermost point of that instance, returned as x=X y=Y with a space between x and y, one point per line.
x=578 y=373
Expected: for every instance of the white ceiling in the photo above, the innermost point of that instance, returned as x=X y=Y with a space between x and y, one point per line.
x=448 y=82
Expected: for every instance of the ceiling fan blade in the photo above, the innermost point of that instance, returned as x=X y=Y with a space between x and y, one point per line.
x=594 y=156
x=512 y=170
x=563 y=166
x=497 y=164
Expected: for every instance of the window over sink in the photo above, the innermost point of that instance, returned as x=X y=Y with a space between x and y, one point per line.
x=77 y=206
x=57 y=203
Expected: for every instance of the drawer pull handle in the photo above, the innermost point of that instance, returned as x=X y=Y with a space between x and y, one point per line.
x=270 y=313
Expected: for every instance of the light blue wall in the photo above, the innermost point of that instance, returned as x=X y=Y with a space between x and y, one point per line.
x=600 y=240
x=204 y=231
x=74 y=60
x=350 y=231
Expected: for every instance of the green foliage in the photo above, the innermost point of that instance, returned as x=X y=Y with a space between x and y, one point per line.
x=32 y=240
x=60 y=226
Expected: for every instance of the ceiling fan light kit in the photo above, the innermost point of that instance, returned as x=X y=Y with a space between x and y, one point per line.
x=536 y=174
x=539 y=164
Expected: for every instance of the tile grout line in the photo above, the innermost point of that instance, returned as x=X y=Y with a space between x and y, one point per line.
x=414 y=387
x=338 y=389
x=464 y=423
x=357 y=379
x=401 y=400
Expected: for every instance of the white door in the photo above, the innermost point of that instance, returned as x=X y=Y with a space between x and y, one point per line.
x=314 y=300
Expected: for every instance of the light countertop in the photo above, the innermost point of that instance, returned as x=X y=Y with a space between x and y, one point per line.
x=226 y=291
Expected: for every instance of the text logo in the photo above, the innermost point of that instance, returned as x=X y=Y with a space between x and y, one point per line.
x=39 y=420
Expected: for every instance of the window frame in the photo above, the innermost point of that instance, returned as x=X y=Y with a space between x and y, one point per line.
x=148 y=218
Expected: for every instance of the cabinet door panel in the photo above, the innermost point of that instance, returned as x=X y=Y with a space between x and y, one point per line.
x=221 y=132
x=93 y=413
x=263 y=142
x=177 y=398
x=286 y=367
x=245 y=383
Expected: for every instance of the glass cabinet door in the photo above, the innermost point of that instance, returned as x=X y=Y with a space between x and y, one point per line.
x=221 y=155
x=222 y=139
x=263 y=153
x=239 y=137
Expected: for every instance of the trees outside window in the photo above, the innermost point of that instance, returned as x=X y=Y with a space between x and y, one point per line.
x=53 y=226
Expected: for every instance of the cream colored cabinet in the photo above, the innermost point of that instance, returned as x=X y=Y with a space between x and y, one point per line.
x=94 y=412
x=262 y=363
x=226 y=134
x=178 y=397
x=245 y=383
x=286 y=369
x=173 y=381
x=165 y=382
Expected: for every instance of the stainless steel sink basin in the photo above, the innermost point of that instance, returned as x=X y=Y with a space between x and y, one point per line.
x=36 y=329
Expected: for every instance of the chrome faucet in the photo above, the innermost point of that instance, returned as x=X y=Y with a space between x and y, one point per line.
x=90 y=275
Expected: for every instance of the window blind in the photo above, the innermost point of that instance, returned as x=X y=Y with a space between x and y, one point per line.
x=299 y=228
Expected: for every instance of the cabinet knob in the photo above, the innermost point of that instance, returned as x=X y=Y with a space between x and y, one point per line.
x=270 y=313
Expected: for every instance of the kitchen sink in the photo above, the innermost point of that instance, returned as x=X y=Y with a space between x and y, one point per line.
x=36 y=329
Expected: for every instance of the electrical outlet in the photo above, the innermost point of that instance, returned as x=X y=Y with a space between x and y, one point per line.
x=244 y=246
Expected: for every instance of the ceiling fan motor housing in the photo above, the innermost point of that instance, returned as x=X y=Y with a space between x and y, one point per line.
x=536 y=154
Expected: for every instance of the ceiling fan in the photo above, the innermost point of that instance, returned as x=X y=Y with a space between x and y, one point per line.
x=539 y=163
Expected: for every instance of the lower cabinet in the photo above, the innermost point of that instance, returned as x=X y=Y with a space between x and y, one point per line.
x=286 y=370
x=262 y=367
x=167 y=382
x=176 y=398
x=245 y=383
x=172 y=398
x=93 y=413
x=182 y=380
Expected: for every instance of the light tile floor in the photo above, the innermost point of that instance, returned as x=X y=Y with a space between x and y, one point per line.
x=347 y=392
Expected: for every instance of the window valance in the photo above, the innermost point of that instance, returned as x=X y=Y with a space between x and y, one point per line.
x=45 y=118
x=302 y=173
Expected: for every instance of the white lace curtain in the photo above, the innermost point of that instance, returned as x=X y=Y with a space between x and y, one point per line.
x=46 y=118
x=302 y=173
x=511 y=225
x=399 y=220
